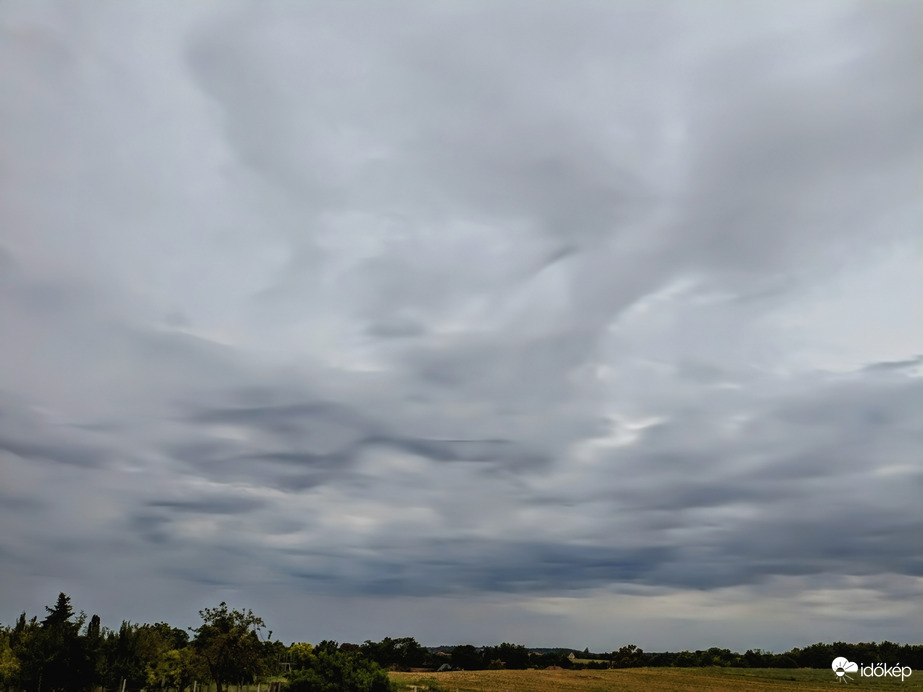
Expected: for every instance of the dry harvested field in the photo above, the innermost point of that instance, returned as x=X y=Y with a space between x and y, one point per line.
x=641 y=679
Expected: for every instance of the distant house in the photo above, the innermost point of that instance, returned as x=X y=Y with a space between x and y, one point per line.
x=442 y=653
x=571 y=656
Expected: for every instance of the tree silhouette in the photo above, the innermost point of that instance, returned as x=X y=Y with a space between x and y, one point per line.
x=60 y=613
x=57 y=659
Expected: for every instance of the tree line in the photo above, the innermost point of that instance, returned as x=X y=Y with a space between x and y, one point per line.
x=818 y=655
x=72 y=652
x=68 y=652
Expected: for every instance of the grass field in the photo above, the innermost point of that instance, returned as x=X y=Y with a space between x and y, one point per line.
x=644 y=679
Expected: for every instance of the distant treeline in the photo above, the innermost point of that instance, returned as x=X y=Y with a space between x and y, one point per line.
x=818 y=655
x=512 y=656
x=72 y=652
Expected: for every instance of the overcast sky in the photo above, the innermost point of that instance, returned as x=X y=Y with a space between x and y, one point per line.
x=561 y=324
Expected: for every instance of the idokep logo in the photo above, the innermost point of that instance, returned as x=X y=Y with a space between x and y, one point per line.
x=841 y=666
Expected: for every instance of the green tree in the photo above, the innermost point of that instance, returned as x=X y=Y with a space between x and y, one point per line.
x=178 y=668
x=22 y=640
x=60 y=613
x=47 y=655
x=629 y=656
x=93 y=642
x=327 y=645
x=124 y=659
x=228 y=642
x=685 y=659
x=324 y=670
x=467 y=657
x=57 y=659
x=9 y=662
x=513 y=656
x=300 y=655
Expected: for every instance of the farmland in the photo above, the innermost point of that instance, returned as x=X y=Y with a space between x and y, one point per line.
x=639 y=679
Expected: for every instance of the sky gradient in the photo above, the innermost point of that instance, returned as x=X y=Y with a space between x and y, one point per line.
x=562 y=324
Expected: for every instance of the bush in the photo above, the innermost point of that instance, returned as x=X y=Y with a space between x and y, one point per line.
x=333 y=671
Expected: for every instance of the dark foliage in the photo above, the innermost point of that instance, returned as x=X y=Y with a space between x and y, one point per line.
x=403 y=653
x=329 y=670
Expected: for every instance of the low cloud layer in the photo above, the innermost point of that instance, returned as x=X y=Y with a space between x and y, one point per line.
x=561 y=324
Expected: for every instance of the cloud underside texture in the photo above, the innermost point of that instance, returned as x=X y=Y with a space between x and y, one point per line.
x=522 y=303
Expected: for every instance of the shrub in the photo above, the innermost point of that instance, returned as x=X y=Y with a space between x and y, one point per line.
x=334 y=671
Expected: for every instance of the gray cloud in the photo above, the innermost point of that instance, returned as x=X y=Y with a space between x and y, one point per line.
x=209 y=505
x=559 y=312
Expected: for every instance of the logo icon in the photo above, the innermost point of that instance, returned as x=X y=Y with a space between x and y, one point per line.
x=841 y=666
